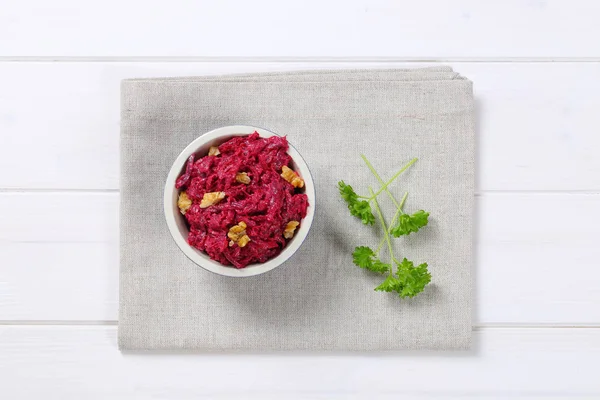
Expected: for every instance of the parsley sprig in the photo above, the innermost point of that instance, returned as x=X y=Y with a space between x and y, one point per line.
x=403 y=277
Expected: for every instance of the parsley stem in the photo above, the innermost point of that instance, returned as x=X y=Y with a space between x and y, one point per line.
x=385 y=229
x=403 y=201
x=398 y=211
x=392 y=179
x=380 y=181
x=381 y=242
x=399 y=206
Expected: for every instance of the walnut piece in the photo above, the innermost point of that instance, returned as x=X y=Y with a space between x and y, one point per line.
x=184 y=202
x=290 y=229
x=237 y=234
x=213 y=151
x=289 y=175
x=211 y=198
x=237 y=231
x=242 y=177
x=243 y=241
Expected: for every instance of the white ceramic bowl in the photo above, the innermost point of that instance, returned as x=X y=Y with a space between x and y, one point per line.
x=176 y=221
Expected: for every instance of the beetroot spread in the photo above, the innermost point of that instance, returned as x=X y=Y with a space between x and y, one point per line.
x=243 y=202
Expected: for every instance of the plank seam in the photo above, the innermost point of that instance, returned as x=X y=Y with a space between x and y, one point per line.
x=308 y=59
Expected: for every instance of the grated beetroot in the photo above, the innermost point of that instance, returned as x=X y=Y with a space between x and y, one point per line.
x=266 y=204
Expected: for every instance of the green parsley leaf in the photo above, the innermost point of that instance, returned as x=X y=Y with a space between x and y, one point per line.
x=347 y=192
x=412 y=280
x=362 y=210
x=380 y=267
x=390 y=284
x=365 y=258
x=410 y=223
x=358 y=208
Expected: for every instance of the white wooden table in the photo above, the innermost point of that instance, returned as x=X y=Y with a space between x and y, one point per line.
x=536 y=69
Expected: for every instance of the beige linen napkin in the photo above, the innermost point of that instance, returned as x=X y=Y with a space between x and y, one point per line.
x=318 y=300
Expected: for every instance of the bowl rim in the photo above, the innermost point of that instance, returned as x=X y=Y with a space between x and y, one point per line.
x=202 y=259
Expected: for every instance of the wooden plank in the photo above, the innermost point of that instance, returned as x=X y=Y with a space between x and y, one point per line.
x=83 y=362
x=427 y=29
x=537 y=121
x=536 y=257
x=58 y=256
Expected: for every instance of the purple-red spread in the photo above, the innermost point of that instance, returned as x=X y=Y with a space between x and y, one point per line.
x=243 y=202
